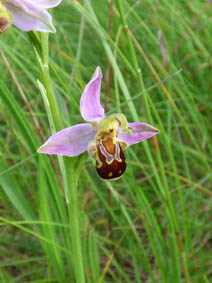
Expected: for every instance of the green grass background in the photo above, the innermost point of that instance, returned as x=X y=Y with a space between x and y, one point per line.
x=154 y=224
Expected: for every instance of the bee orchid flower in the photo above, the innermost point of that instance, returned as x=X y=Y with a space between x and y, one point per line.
x=30 y=15
x=104 y=137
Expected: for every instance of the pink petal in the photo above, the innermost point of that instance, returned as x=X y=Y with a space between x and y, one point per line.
x=90 y=106
x=48 y=3
x=27 y=15
x=141 y=131
x=70 y=141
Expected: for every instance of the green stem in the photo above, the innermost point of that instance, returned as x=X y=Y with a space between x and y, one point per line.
x=74 y=222
x=69 y=168
x=47 y=81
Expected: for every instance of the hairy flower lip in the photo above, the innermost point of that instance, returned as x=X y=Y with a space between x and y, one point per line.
x=81 y=137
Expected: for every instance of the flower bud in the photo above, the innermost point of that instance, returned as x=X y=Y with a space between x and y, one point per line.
x=5 y=19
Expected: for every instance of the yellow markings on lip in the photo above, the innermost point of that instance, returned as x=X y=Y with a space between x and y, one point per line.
x=112 y=164
x=107 y=149
x=99 y=163
x=109 y=162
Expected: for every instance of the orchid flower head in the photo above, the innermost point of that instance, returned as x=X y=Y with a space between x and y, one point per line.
x=30 y=15
x=104 y=137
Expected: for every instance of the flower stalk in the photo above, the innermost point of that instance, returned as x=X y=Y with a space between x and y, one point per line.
x=47 y=80
x=69 y=164
x=74 y=218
